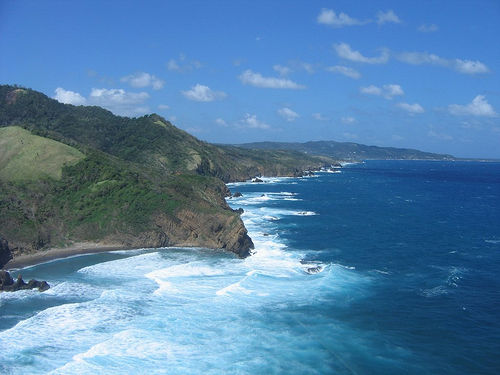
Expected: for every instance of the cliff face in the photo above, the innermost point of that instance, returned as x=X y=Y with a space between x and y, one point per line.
x=189 y=211
x=5 y=254
x=89 y=176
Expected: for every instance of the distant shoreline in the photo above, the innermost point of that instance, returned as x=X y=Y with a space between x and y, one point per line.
x=27 y=260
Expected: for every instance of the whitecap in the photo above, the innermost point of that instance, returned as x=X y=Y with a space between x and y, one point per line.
x=436 y=291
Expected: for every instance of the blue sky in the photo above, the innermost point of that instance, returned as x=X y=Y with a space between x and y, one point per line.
x=392 y=73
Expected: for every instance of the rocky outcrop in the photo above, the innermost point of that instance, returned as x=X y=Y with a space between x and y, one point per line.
x=5 y=254
x=212 y=230
x=7 y=283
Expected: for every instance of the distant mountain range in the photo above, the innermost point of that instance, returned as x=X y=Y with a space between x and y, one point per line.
x=348 y=150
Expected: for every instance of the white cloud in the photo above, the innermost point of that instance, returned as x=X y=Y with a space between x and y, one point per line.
x=428 y=28
x=396 y=137
x=201 y=93
x=348 y=120
x=470 y=67
x=69 y=97
x=345 y=51
x=251 y=121
x=387 y=91
x=119 y=101
x=318 y=116
x=163 y=106
x=330 y=18
x=478 y=107
x=306 y=66
x=181 y=64
x=256 y=79
x=142 y=79
x=387 y=17
x=412 y=108
x=461 y=66
x=418 y=58
x=172 y=65
x=221 y=122
x=282 y=70
x=348 y=72
x=288 y=114
x=371 y=90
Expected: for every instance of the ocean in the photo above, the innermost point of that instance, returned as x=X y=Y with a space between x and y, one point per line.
x=388 y=267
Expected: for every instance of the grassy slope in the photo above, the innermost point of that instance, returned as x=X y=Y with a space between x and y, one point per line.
x=24 y=156
x=147 y=140
x=140 y=178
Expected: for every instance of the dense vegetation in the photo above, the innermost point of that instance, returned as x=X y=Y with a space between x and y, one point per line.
x=147 y=140
x=74 y=173
x=348 y=150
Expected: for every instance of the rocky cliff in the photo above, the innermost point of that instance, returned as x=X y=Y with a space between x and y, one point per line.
x=75 y=174
x=5 y=254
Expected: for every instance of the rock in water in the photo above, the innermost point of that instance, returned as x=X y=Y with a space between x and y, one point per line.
x=5 y=279
x=7 y=284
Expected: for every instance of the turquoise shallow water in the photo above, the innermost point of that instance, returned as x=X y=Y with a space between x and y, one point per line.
x=408 y=255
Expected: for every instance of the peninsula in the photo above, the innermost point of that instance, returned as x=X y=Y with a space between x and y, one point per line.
x=77 y=179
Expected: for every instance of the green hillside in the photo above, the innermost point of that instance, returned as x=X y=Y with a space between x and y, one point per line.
x=348 y=150
x=81 y=174
x=149 y=140
x=24 y=156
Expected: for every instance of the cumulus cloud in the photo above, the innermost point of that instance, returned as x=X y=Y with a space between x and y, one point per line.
x=387 y=91
x=201 y=93
x=251 y=121
x=330 y=18
x=428 y=28
x=470 y=67
x=288 y=114
x=461 y=66
x=142 y=79
x=411 y=108
x=345 y=51
x=478 y=107
x=348 y=72
x=221 y=122
x=182 y=64
x=348 y=120
x=387 y=17
x=318 y=116
x=282 y=70
x=119 y=101
x=69 y=97
x=418 y=58
x=256 y=79
x=163 y=106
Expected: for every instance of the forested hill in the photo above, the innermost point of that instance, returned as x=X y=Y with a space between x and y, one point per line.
x=81 y=175
x=149 y=140
x=349 y=150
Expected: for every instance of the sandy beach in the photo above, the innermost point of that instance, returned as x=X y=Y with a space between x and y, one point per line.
x=57 y=253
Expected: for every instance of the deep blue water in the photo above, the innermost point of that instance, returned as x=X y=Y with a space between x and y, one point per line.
x=409 y=261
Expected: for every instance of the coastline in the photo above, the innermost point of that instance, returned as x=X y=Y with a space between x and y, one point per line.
x=82 y=248
x=27 y=260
